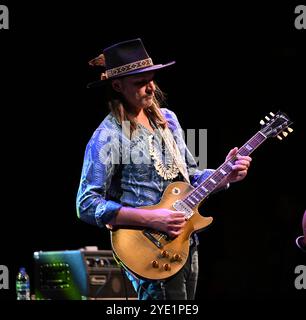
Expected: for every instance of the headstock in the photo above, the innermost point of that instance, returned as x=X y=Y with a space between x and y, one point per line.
x=275 y=125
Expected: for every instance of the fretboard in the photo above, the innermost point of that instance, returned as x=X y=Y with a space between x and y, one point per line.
x=209 y=185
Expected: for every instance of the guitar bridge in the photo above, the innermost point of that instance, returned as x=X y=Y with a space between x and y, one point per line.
x=150 y=235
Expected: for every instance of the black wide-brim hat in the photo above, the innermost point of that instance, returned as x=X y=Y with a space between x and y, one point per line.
x=124 y=59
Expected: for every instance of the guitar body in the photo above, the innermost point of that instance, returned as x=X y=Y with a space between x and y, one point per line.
x=151 y=256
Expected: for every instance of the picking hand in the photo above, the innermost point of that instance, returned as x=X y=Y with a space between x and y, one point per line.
x=171 y=222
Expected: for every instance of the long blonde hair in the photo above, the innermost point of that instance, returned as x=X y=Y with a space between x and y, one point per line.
x=117 y=107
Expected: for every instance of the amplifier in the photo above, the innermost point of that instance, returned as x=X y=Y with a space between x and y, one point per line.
x=105 y=278
x=80 y=274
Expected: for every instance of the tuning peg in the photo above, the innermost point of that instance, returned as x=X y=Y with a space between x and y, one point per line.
x=272 y=114
x=279 y=137
x=285 y=134
x=262 y=122
x=290 y=129
x=267 y=118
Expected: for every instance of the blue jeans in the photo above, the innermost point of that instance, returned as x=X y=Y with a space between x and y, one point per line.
x=181 y=286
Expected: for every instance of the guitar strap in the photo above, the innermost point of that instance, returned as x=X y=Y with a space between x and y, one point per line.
x=175 y=152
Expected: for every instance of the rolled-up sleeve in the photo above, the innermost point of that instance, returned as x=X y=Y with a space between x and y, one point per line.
x=102 y=157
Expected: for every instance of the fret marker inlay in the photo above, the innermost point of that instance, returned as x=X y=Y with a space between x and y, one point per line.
x=223 y=172
x=248 y=147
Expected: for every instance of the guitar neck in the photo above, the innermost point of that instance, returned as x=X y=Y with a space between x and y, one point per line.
x=214 y=181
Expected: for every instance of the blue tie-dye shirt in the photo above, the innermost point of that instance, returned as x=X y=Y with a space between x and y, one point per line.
x=113 y=177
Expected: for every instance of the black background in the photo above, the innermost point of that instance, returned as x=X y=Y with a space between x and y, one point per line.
x=234 y=64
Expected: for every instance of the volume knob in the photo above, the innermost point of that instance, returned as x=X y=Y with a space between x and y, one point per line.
x=155 y=264
x=177 y=257
x=165 y=254
x=167 y=267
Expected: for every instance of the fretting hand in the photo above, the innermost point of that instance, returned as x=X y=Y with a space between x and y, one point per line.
x=240 y=168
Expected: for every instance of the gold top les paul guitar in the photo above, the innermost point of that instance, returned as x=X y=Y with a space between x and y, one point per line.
x=152 y=254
